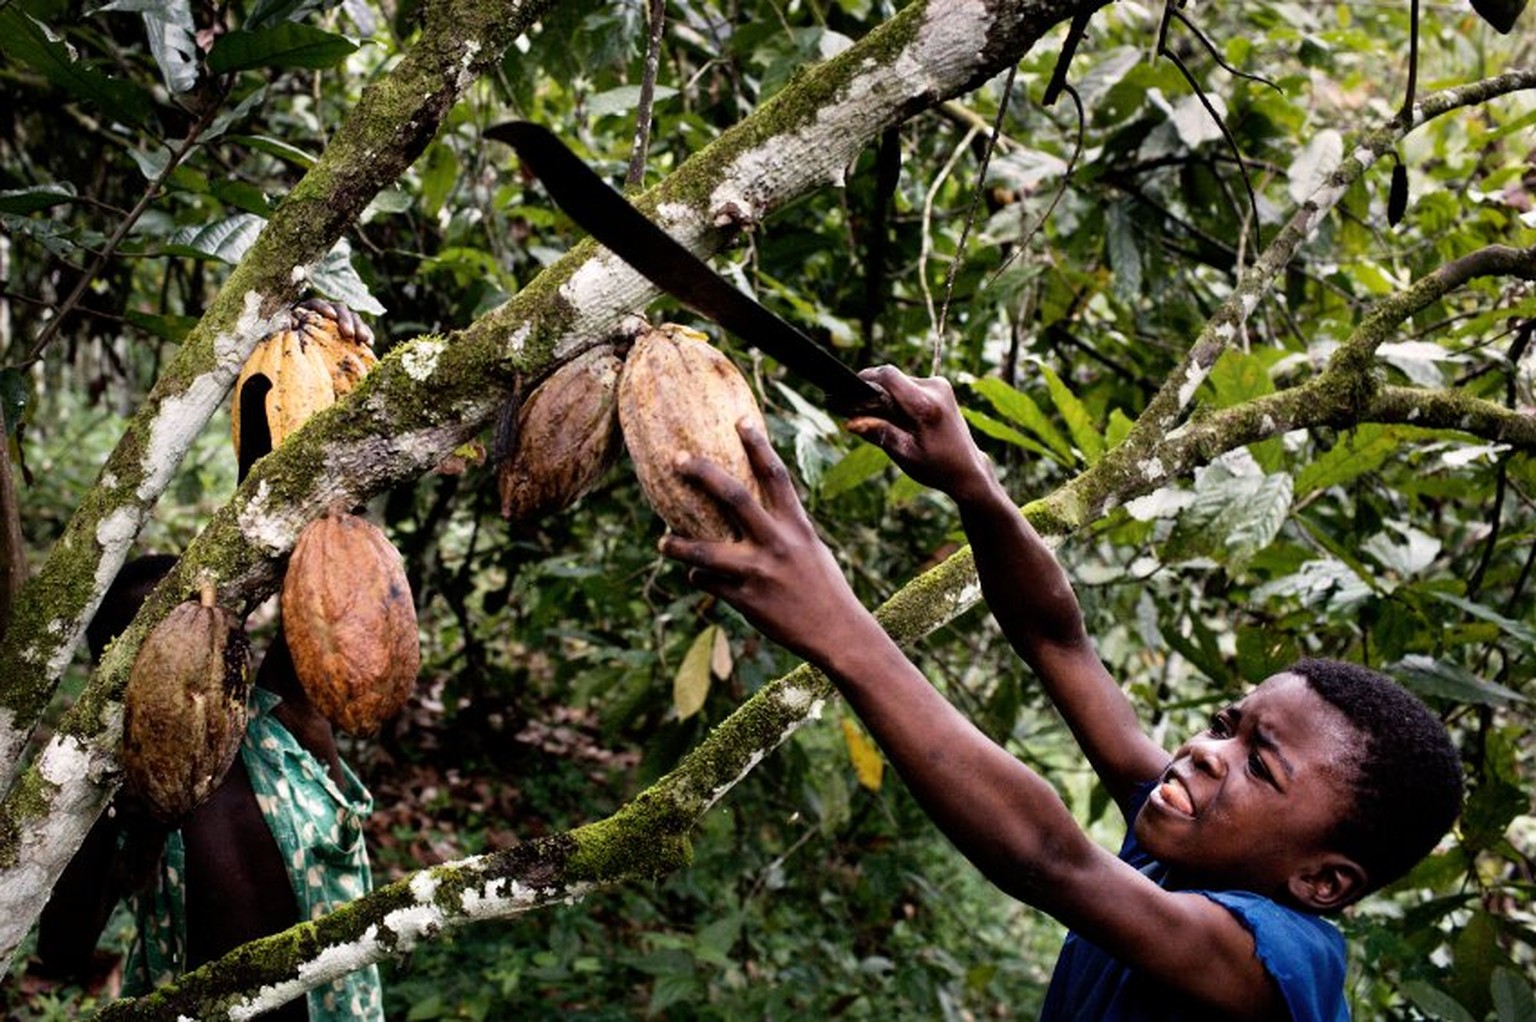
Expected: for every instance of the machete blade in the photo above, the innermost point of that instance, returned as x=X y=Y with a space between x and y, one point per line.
x=621 y=228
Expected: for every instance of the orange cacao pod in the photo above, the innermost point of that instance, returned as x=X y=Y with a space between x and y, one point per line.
x=677 y=393
x=184 y=708
x=350 y=622
x=345 y=343
x=567 y=437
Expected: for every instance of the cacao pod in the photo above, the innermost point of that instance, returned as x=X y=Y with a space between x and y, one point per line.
x=184 y=708
x=677 y=393
x=350 y=622
x=298 y=384
x=345 y=342
x=567 y=436
x=294 y=373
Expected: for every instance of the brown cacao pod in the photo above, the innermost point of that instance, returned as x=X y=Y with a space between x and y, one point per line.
x=567 y=436
x=350 y=622
x=184 y=708
x=677 y=393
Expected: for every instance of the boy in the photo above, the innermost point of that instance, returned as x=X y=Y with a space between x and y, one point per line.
x=1321 y=785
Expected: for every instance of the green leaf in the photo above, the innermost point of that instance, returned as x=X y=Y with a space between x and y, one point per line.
x=172 y=38
x=1079 y=422
x=286 y=45
x=1124 y=253
x=1361 y=450
x=30 y=200
x=276 y=147
x=171 y=328
x=1499 y=795
x=335 y=278
x=1513 y=999
x=989 y=426
x=28 y=41
x=224 y=240
x=623 y=99
x=222 y=122
x=856 y=467
x=1443 y=680
x=1016 y=406
x=1517 y=630
x=1435 y=1003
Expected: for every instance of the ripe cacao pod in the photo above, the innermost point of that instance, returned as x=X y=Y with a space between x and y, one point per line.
x=345 y=342
x=184 y=708
x=350 y=622
x=677 y=393
x=567 y=436
x=296 y=372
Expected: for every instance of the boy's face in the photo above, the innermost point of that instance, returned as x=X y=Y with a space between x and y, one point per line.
x=1251 y=800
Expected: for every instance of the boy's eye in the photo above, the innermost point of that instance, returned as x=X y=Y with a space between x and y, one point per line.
x=1219 y=726
x=1256 y=766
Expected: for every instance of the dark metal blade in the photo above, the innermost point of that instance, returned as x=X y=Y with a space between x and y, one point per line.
x=605 y=214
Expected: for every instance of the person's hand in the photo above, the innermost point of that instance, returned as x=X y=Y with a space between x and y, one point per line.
x=779 y=574
x=933 y=445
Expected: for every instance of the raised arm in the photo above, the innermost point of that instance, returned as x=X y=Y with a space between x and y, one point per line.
x=1004 y=818
x=1024 y=585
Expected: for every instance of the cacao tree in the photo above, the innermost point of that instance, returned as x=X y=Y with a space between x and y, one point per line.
x=1270 y=421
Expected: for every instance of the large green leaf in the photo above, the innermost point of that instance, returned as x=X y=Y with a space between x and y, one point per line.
x=28 y=41
x=172 y=38
x=224 y=240
x=30 y=200
x=286 y=45
x=1441 y=679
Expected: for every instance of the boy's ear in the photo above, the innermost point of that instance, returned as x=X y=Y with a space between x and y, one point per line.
x=1328 y=883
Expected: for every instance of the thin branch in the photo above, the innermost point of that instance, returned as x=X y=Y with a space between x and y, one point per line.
x=656 y=15
x=51 y=328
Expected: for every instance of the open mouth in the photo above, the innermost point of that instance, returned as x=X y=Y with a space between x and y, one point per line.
x=1175 y=796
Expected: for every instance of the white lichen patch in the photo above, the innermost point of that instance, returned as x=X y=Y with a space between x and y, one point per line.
x=1224 y=332
x=1193 y=377
x=412 y=923
x=332 y=962
x=298 y=274
x=267 y=529
x=967 y=595
x=1152 y=469
x=757 y=756
x=796 y=699
x=423 y=887
x=519 y=339
x=419 y=360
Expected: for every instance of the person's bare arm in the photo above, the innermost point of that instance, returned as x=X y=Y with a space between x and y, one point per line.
x=1024 y=585
x=1000 y=814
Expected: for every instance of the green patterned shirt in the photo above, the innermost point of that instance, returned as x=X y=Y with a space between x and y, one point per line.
x=318 y=828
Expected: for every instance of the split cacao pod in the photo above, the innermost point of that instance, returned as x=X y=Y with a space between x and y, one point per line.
x=567 y=436
x=184 y=708
x=296 y=372
x=678 y=393
x=350 y=622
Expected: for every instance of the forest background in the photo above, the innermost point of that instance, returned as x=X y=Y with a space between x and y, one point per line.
x=1244 y=317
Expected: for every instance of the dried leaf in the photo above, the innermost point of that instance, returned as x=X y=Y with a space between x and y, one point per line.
x=720 y=662
x=690 y=687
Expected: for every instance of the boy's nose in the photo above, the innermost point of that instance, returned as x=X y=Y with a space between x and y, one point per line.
x=1206 y=755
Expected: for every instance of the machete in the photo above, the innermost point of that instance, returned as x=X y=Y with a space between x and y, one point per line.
x=621 y=228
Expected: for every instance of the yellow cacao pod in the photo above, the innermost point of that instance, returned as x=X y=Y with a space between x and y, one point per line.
x=298 y=371
x=677 y=393
x=184 y=708
x=350 y=622
x=567 y=437
x=345 y=344
x=297 y=385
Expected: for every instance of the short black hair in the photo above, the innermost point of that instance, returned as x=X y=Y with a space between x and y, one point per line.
x=127 y=593
x=1408 y=786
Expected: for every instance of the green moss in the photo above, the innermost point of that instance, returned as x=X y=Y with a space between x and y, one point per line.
x=646 y=838
x=30 y=799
